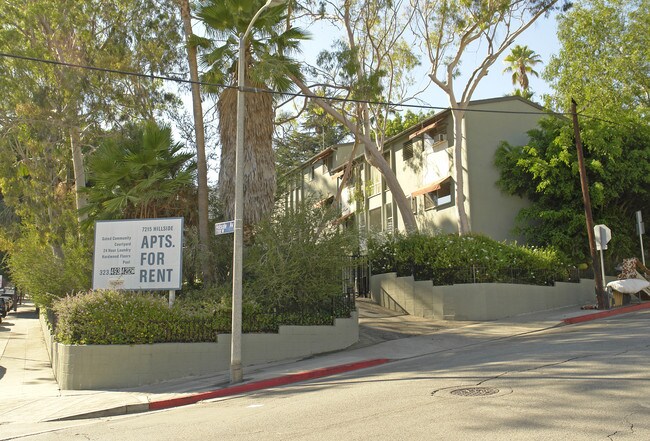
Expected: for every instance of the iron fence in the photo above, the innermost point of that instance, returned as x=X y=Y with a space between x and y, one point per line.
x=489 y=274
x=356 y=276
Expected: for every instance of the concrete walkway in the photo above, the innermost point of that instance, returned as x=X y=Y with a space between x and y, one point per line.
x=29 y=393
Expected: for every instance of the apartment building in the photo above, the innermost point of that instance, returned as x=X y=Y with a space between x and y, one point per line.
x=422 y=159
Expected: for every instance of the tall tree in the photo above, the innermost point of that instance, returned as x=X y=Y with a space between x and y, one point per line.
x=449 y=29
x=603 y=60
x=521 y=61
x=129 y=35
x=268 y=66
x=601 y=42
x=372 y=63
x=199 y=130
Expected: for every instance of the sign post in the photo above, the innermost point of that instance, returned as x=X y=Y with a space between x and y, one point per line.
x=603 y=235
x=139 y=254
x=640 y=228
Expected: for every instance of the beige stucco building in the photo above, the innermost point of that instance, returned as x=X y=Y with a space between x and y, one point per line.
x=422 y=160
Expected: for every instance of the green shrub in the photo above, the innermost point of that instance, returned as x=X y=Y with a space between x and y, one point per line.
x=297 y=259
x=448 y=259
x=111 y=317
x=36 y=270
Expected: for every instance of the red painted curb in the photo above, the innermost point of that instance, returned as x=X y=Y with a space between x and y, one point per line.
x=263 y=384
x=608 y=313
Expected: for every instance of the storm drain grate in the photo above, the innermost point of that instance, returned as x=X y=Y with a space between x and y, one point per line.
x=475 y=391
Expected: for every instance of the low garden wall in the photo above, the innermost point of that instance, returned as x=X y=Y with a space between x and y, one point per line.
x=123 y=366
x=479 y=301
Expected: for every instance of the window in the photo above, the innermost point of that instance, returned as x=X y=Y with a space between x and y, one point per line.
x=407 y=150
x=374 y=184
x=389 y=217
x=439 y=197
x=374 y=219
x=312 y=172
x=327 y=164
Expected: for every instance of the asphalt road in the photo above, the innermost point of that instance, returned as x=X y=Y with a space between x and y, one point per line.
x=580 y=382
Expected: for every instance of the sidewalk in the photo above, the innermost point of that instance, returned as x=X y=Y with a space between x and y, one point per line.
x=30 y=393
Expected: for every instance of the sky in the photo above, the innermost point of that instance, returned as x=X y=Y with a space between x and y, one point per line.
x=541 y=37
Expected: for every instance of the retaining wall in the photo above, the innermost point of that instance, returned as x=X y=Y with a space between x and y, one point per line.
x=480 y=301
x=123 y=366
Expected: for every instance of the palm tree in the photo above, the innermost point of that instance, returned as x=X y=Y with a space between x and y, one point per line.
x=267 y=68
x=142 y=174
x=520 y=62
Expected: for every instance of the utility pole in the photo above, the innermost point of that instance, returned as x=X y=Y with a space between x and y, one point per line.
x=600 y=292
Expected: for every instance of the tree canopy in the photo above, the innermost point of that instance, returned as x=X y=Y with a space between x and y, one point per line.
x=603 y=64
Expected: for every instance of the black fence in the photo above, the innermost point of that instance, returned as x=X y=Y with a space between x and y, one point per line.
x=488 y=274
x=356 y=276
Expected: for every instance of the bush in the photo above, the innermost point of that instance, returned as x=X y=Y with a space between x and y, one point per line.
x=448 y=259
x=297 y=259
x=37 y=271
x=110 y=317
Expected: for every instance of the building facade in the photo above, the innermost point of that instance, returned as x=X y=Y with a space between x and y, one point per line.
x=422 y=159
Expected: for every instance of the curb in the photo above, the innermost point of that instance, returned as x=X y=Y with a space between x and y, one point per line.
x=607 y=313
x=264 y=384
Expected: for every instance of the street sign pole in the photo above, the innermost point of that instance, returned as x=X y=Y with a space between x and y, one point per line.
x=640 y=228
x=602 y=235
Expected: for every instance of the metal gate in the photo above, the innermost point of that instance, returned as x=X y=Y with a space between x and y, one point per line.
x=356 y=276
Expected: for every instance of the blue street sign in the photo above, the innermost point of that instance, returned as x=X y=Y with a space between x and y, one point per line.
x=224 y=227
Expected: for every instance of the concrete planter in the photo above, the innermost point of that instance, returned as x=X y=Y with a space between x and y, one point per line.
x=123 y=366
x=481 y=301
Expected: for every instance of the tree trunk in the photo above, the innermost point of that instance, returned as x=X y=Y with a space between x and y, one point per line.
x=377 y=160
x=259 y=163
x=458 y=116
x=79 y=172
x=202 y=168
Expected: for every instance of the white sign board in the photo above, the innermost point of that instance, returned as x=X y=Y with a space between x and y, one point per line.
x=602 y=235
x=138 y=254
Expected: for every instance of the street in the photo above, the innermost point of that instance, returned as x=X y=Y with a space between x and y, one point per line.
x=579 y=382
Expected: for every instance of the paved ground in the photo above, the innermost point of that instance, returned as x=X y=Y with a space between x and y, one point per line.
x=378 y=324
x=29 y=393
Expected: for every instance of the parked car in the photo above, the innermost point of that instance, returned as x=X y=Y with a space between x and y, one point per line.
x=3 y=309
x=9 y=300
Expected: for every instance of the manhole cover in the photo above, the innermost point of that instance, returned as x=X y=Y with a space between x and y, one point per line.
x=474 y=391
x=471 y=391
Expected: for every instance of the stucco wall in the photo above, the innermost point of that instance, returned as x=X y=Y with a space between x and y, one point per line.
x=121 y=366
x=481 y=301
x=492 y=212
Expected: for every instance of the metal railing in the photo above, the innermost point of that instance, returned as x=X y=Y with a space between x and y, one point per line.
x=490 y=274
x=356 y=276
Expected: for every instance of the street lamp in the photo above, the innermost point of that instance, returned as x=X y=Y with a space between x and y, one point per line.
x=236 y=373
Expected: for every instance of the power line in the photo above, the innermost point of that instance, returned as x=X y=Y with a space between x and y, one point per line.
x=258 y=90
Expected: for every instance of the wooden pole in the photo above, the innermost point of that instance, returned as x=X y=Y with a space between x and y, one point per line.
x=600 y=293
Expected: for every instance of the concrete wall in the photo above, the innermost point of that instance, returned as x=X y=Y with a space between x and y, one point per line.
x=122 y=366
x=481 y=301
